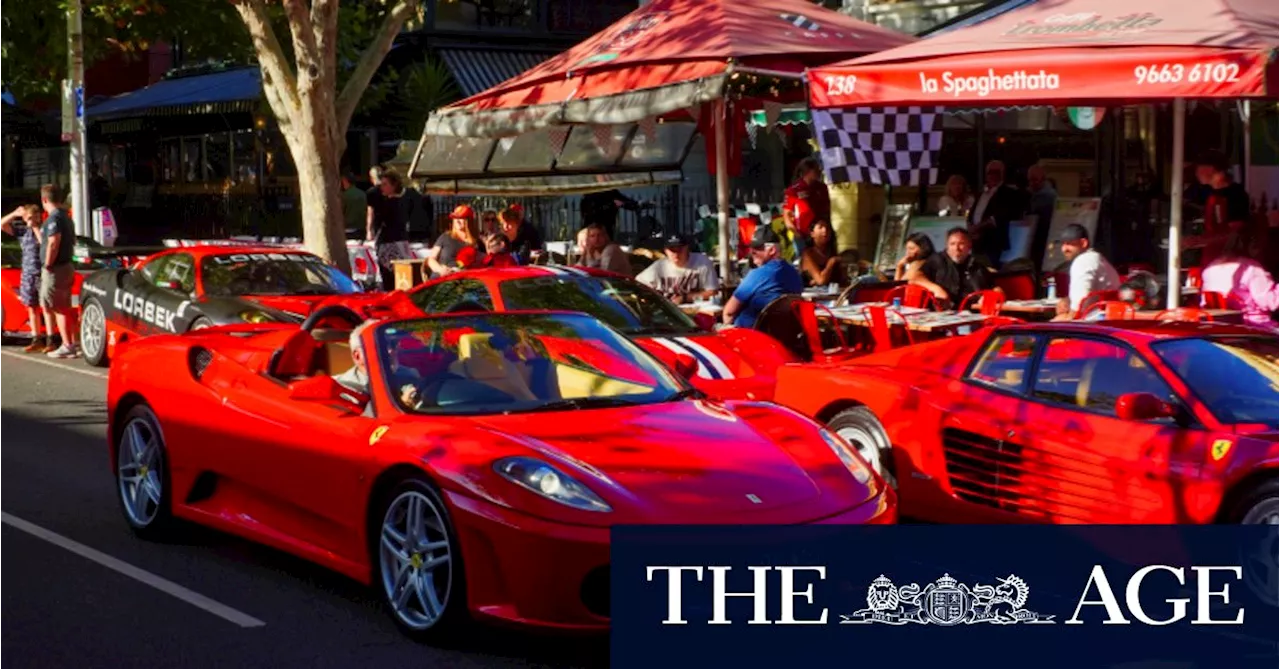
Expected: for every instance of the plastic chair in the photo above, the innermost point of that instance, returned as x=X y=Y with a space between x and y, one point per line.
x=1184 y=314
x=1017 y=285
x=878 y=321
x=1000 y=321
x=867 y=291
x=913 y=296
x=991 y=301
x=1195 y=277
x=819 y=329
x=1113 y=310
x=1211 y=300
x=780 y=319
x=1096 y=297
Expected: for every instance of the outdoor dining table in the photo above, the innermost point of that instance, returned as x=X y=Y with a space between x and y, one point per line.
x=917 y=319
x=1041 y=307
x=708 y=307
x=821 y=294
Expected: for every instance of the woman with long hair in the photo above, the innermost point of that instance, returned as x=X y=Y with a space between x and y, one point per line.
x=820 y=261
x=918 y=249
x=956 y=201
x=1247 y=285
x=463 y=233
x=488 y=223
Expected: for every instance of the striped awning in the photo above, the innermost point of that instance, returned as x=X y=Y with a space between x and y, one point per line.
x=481 y=69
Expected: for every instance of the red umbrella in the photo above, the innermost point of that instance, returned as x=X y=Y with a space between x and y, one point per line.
x=665 y=57
x=1077 y=52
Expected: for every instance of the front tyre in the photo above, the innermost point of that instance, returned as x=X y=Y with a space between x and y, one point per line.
x=200 y=324
x=142 y=475
x=93 y=333
x=860 y=427
x=419 y=567
x=1258 y=506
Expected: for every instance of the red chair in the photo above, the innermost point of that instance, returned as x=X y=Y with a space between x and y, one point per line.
x=878 y=321
x=818 y=335
x=867 y=292
x=1096 y=297
x=1000 y=321
x=1184 y=314
x=1195 y=277
x=746 y=230
x=1212 y=300
x=991 y=301
x=1113 y=310
x=913 y=296
x=1017 y=285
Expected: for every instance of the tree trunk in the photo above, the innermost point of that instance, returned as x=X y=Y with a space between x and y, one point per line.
x=323 y=224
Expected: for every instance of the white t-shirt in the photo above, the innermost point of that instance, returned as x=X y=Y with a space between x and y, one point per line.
x=1090 y=272
x=697 y=276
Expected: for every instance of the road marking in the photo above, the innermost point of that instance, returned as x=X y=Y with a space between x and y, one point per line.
x=162 y=584
x=51 y=363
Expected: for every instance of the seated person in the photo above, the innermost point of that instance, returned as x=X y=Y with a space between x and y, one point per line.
x=1090 y=272
x=953 y=274
x=772 y=278
x=498 y=252
x=681 y=276
x=356 y=379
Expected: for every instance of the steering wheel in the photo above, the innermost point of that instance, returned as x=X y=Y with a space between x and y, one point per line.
x=332 y=311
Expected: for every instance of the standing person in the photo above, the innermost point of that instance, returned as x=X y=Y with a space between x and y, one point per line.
x=1041 y=201
x=919 y=249
x=772 y=278
x=1237 y=274
x=488 y=223
x=1090 y=272
x=953 y=274
x=1226 y=210
x=810 y=189
x=57 y=240
x=24 y=223
x=522 y=236
x=820 y=262
x=957 y=201
x=354 y=203
x=602 y=208
x=602 y=253
x=989 y=219
x=419 y=213
x=681 y=275
x=464 y=232
x=385 y=225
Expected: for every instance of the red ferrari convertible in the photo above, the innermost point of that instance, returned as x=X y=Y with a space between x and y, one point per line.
x=733 y=363
x=1119 y=422
x=469 y=466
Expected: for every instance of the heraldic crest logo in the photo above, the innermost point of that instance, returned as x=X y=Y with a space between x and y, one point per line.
x=947 y=602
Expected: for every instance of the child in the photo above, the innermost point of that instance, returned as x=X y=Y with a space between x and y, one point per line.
x=497 y=252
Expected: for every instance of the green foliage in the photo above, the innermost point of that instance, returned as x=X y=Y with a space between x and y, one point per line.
x=423 y=88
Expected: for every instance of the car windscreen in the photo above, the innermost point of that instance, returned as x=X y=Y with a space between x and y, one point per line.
x=238 y=274
x=515 y=363
x=627 y=305
x=1235 y=377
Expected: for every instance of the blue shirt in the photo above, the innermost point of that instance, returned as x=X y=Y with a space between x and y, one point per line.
x=763 y=285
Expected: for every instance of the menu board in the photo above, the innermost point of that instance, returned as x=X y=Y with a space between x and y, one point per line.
x=1079 y=210
x=893 y=234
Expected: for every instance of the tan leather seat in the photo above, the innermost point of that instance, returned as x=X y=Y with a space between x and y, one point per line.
x=478 y=361
x=336 y=357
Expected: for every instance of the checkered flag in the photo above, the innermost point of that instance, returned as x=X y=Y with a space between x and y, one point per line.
x=893 y=146
x=801 y=22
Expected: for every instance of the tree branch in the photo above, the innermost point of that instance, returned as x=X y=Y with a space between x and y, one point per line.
x=305 y=54
x=324 y=26
x=370 y=60
x=276 y=72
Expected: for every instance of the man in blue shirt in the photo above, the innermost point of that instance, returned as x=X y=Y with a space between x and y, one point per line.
x=772 y=278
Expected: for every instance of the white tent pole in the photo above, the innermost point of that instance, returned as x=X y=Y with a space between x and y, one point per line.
x=1174 y=287
x=721 y=122
x=1248 y=143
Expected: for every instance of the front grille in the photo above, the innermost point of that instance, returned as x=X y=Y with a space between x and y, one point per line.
x=595 y=591
x=980 y=468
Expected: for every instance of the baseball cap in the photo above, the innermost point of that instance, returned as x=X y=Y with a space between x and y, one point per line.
x=764 y=235
x=673 y=241
x=462 y=211
x=1073 y=232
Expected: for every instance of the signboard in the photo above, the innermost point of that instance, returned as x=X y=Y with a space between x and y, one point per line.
x=68 y=111
x=104 y=226
x=1086 y=118
x=893 y=234
x=1068 y=210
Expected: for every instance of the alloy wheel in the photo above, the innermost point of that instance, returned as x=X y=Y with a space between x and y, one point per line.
x=1265 y=512
x=416 y=561
x=866 y=445
x=140 y=472
x=93 y=328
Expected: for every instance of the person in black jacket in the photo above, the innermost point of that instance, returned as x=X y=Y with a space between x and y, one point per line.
x=602 y=208
x=995 y=208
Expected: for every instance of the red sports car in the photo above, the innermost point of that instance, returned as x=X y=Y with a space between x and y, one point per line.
x=190 y=288
x=472 y=470
x=1118 y=422
x=733 y=363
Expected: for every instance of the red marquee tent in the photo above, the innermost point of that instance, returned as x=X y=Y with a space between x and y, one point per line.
x=1077 y=52
x=663 y=58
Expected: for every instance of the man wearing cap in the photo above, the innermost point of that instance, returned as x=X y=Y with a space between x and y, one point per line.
x=772 y=278
x=681 y=276
x=1090 y=272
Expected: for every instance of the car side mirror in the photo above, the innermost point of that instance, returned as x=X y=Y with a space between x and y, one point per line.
x=686 y=365
x=1142 y=407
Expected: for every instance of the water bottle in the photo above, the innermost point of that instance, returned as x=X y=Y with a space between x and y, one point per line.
x=1053 y=289
x=897 y=303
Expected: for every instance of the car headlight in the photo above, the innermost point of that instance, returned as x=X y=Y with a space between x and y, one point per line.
x=254 y=317
x=543 y=479
x=852 y=461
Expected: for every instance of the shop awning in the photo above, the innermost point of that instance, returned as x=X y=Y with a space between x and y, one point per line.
x=1071 y=51
x=478 y=70
x=216 y=93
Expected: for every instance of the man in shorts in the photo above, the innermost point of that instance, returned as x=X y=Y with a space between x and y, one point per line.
x=58 y=240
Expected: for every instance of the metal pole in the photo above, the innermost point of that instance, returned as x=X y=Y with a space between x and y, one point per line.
x=720 y=114
x=1173 y=289
x=1246 y=116
x=79 y=142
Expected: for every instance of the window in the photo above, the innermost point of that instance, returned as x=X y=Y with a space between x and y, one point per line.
x=192 y=160
x=442 y=297
x=172 y=170
x=585 y=16
x=628 y=305
x=154 y=270
x=244 y=155
x=485 y=14
x=1004 y=362
x=181 y=270
x=1092 y=374
x=217 y=157
x=1235 y=377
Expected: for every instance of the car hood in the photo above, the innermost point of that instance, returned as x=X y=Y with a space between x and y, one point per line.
x=301 y=306
x=691 y=461
x=731 y=365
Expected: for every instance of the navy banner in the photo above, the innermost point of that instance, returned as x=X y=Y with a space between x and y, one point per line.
x=945 y=596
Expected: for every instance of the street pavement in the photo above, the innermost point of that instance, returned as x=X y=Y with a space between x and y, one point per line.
x=80 y=590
